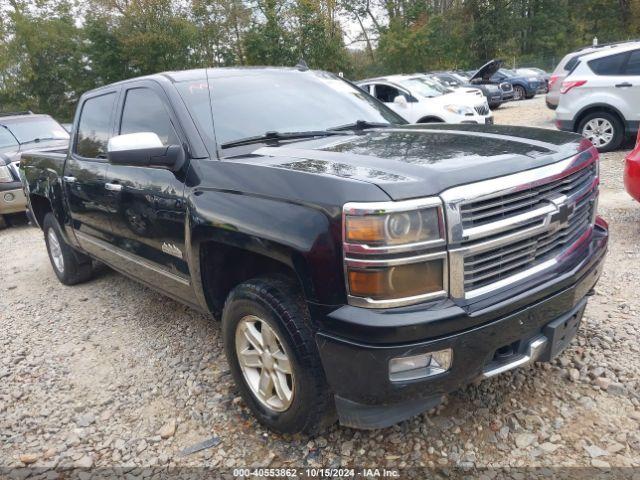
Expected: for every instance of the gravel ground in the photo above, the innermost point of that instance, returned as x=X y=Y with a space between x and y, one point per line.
x=110 y=373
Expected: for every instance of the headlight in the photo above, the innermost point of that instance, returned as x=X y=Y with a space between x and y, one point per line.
x=394 y=252
x=5 y=175
x=459 y=109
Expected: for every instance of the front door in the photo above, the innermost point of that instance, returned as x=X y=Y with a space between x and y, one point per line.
x=148 y=215
x=388 y=93
x=85 y=171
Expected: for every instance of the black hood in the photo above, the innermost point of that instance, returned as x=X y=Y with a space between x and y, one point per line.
x=420 y=160
x=487 y=71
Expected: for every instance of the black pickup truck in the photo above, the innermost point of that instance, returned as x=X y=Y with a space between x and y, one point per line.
x=361 y=267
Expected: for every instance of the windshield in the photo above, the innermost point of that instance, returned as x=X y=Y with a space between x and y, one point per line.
x=251 y=102
x=6 y=139
x=425 y=87
x=39 y=128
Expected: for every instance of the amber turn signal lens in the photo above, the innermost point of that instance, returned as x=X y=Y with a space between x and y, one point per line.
x=365 y=229
x=402 y=281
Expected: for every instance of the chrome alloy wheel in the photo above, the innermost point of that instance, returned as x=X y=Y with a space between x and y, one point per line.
x=55 y=250
x=264 y=362
x=599 y=131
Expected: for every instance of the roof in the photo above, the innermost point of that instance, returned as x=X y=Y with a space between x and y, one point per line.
x=391 y=78
x=626 y=47
x=9 y=117
x=196 y=74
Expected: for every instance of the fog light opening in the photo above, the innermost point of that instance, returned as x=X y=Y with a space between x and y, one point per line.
x=402 y=369
x=9 y=197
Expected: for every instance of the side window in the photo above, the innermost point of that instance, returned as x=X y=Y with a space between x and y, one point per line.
x=94 y=127
x=633 y=64
x=144 y=112
x=386 y=93
x=611 y=65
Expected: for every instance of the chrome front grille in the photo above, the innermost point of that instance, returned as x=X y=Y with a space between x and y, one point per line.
x=500 y=263
x=490 y=210
x=482 y=109
x=503 y=231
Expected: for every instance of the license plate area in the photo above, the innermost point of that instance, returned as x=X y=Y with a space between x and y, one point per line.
x=560 y=332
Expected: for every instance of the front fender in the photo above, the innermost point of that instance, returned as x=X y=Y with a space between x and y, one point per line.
x=302 y=237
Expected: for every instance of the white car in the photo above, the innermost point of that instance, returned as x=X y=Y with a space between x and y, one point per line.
x=600 y=98
x=419 y=99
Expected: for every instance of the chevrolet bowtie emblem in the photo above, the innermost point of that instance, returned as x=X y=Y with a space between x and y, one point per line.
x=564 y=212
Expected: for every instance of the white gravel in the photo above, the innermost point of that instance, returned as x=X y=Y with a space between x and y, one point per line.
x=110 y=373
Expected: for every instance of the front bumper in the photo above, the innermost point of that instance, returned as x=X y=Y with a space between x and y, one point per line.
x=356 y=362
x=12 y=199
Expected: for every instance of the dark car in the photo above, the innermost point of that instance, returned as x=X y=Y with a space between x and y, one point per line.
x=523 y=87
x=493 y=93
x=484 y=76
x=22 y=132
x=361 y=267
x=543 y=77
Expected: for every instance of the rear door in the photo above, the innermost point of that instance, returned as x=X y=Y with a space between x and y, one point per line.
x=630 y=87
x=85 y=170
x=148 y=214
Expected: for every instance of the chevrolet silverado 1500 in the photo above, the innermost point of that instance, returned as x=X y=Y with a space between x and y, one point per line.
x=361 y=267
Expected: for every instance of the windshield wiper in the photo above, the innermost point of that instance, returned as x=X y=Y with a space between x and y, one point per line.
x=42 y=139
x=275 y=136
x=360 y=125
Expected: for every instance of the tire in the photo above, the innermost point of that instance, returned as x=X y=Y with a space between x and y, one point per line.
x=3 y=222
x=279 y=306
x=608 y=123
x=519 y=92
x=495 y=106
x=70 y=266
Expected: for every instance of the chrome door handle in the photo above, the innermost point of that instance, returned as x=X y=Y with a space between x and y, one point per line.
x=69 y=179
x=114 y=187
x=624 y=85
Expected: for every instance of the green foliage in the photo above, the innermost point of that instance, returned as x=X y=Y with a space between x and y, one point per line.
x=53 y=50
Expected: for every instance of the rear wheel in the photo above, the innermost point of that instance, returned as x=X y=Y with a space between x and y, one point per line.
x=70 y=266
x=273 y=357
x=603 y=129
x=519 y=92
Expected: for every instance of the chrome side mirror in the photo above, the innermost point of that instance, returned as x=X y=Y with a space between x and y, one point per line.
x=144 y=149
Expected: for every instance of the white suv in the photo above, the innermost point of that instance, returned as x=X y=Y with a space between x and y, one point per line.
x=600 y=98
x=420 y=99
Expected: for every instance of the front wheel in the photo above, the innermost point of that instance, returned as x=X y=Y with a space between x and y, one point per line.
x=603 y=129
x=70 y=267
x=518 y=92
x=273 y=357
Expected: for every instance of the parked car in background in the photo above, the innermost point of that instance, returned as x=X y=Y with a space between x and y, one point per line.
x=19 y=133
x=67 y=126
x=543 y=77
x=600 y=98
x=524 y=87
x=361 y=267
x=632 y=171
x=492 y=92
x=484 y=76
x=568 y=63
x=419 y=99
